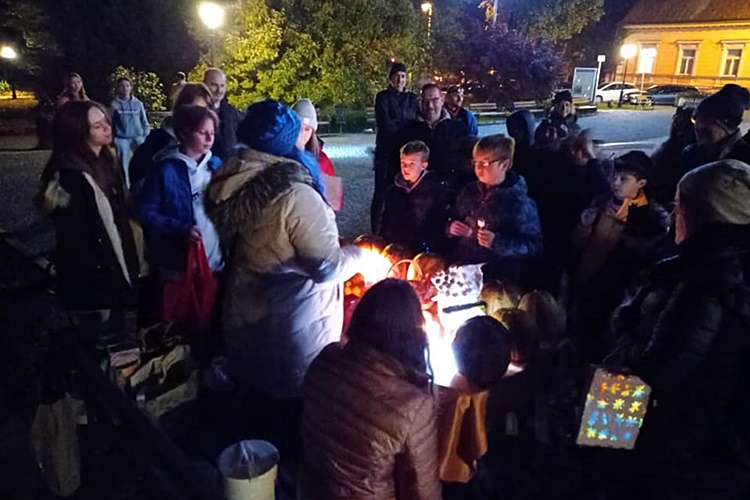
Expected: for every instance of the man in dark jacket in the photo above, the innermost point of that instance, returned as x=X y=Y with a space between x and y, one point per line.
x=444 y=136
x=393 y=106
x=686 y=334
x=229 y=116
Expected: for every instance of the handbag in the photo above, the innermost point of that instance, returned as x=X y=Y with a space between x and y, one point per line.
x=191 y=298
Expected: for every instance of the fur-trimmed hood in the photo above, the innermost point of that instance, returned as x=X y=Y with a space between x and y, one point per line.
x=52 y=195
x=242 y=188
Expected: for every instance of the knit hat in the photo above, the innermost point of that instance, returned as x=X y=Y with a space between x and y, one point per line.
x=726 y=106
x=637 y=163
x=718 y=192
x=563 y=95
x=306 y=111
x=269 y=126
x=395 y=68
x=272 y=128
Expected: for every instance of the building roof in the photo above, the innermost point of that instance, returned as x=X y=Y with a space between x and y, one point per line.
x=688 y=11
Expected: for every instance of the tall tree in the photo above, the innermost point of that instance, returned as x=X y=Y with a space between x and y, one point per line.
x=555 y=20
x=25 y=26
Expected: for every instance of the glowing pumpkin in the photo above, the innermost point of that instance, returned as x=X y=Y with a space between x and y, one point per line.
x=425 y=265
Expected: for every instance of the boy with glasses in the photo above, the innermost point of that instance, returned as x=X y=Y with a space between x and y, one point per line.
x=495 y=222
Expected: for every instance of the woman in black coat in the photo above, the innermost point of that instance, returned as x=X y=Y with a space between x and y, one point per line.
x=83 y=190
x=687 y=334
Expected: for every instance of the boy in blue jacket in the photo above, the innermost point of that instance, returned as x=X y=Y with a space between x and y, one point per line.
x=129 y=123
x=495 y=222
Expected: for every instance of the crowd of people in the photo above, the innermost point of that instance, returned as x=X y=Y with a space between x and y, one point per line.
x=582 y=265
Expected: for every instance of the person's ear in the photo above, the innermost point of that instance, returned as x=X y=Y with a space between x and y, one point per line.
x=425 y=164
x=505 y=164
x=641 y=183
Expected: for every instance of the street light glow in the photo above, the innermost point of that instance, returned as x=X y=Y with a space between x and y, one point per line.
x=7 y=52
x=211 y=14
x=427 y=7
x=628 y=51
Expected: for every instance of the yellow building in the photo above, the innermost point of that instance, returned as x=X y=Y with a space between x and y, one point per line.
x=705 y=43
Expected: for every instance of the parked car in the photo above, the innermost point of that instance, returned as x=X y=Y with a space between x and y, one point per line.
x=640 y=98
x=611 y=92
x=667 y=94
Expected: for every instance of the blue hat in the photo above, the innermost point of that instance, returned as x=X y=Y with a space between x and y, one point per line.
x=271 y=127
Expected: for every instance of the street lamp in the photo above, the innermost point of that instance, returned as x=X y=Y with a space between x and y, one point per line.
x=10 y=54
x=627 y=52
x=212 y=15
x=427 y=9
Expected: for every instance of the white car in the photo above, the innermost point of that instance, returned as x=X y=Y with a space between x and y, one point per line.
x=611 y=92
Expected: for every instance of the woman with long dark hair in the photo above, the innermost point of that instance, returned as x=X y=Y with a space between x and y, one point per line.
x=83 y=190
x=369 y=420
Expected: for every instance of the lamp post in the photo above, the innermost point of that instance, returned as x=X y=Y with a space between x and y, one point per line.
x=212 y=15
x=9 y=54
x=627 y=52
x=427 y=9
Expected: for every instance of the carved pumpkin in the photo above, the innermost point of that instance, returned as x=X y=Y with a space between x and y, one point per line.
x=425 y=266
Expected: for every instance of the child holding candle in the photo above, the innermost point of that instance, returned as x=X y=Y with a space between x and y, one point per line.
x=495 y=222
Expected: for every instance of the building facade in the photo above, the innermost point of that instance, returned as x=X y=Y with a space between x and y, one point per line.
x=705 y=43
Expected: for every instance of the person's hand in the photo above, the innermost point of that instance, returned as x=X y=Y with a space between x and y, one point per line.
x=195 y=234
x=485 y=237
x=458 y=228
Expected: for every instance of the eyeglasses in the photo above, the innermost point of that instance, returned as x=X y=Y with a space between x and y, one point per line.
x=485 y=163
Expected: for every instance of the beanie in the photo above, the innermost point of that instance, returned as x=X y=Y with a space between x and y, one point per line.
x=563 y=95
x=719 y=191
x=395 y=68
x=637 y=163
x=454 y=89
x=306 y=111
x=726 y=106
x=272 y=128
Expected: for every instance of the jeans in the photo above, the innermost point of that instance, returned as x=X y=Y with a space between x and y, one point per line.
x=125 y=147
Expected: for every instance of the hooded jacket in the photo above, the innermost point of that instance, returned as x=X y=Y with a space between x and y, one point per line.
x=392 y=109
x=166 y=208
x=129 y=119
x=507 y=211
x=283 y=300
x=96 y=260
x=415 y=215
x=368 y=432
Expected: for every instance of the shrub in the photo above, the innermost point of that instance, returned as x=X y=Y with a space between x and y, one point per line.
x=4 y=87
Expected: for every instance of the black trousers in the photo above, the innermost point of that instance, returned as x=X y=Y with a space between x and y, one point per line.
x=383 y=180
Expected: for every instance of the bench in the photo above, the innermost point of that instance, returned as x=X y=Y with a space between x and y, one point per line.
x=370 y=115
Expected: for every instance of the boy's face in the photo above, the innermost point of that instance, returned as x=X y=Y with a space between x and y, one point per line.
x=412 y=166
x=124 y=88
x=490 y=167
x=626 y=185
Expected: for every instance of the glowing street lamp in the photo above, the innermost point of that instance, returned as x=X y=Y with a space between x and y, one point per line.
x=10 y=54
x=427 y=9
x=627 y=52
x=212 y=15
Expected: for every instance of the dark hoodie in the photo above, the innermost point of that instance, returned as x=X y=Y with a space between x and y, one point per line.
x=507 y=211
x=415 y=214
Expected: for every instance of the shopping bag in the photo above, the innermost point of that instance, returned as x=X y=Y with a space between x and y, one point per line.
x=165 y=383
x=615 y=407
x=54 y=442
x=191 y=299
x=334 y=191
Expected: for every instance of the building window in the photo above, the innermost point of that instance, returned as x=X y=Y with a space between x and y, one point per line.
x=687 y=61
x=646 y=59
x=732 y=58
